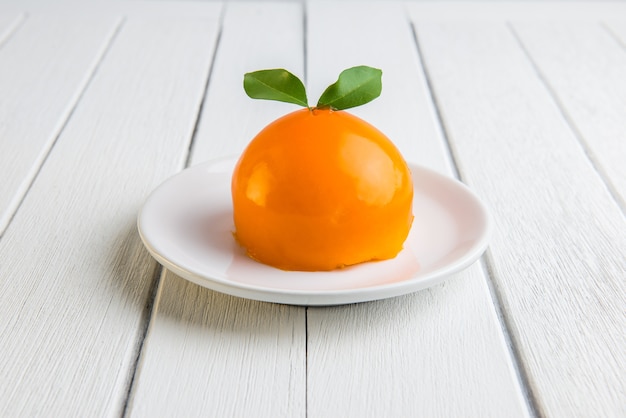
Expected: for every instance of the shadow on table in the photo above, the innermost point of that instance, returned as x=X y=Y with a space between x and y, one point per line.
x=137 y=275
x=134 y=272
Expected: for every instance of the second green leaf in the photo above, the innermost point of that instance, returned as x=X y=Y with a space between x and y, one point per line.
x=355 y=86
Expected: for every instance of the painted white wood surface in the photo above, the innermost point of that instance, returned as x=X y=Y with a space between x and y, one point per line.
x=557 y=249
x=583 y=65
x=208 y=354
x=439 y=352
x=75 y=279
x=76 y=285
x=45 y=66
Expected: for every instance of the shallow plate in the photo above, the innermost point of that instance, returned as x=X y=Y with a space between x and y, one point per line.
x=186 y=224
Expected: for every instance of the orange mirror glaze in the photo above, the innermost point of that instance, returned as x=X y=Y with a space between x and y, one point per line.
x=319 y=190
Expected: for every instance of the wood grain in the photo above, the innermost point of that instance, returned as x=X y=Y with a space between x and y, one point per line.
x=557 y=249
x=209 y=354
x=439 y=352
x=75 y=278
x=44 y=68
x=584 y=67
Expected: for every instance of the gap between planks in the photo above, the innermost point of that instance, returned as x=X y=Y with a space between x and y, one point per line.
x=485 y=260
x=12 y=28
x=522 y=376
x=613 y=35
x=153 y=300
x=152 y=303
x=194 y=133
x=597 y=166
x=18 y=199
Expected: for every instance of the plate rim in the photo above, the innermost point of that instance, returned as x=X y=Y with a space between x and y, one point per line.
x=322 y=297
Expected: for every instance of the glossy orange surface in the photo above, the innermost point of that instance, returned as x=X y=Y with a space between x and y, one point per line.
x=319 y=190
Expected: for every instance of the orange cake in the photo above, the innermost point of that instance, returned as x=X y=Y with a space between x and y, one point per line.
x=321 y=189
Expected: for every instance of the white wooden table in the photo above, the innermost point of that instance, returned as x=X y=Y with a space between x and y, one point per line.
x=526 y=103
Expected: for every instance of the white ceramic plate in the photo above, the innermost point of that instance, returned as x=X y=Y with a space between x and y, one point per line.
x=186 y=224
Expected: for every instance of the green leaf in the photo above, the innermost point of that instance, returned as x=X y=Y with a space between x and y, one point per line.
x=277 y=84
x=355 y=86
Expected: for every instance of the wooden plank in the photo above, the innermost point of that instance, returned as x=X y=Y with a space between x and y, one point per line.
x=208 y=354
x=557 y=249
x=440 y=352
x=583 y=67
x=76 y=280
x=44 y=69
